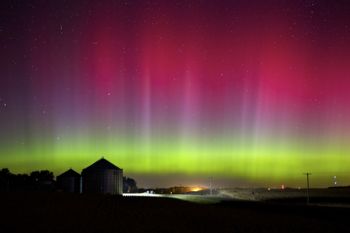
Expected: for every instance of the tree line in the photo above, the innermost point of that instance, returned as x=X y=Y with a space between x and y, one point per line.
x=37 y=180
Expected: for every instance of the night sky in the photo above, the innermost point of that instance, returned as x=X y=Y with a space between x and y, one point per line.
x=174 y=92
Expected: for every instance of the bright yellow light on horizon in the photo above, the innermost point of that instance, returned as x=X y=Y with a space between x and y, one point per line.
x=196 y=189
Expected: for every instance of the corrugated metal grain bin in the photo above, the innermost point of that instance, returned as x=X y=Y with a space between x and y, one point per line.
x=69 y=181
x=102 y=177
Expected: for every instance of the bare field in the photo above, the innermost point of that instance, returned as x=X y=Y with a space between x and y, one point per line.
x=61 y=212
x=329 y=196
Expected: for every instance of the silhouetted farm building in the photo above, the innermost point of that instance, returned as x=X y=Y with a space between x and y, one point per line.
x=69 y=181
x=102 y=177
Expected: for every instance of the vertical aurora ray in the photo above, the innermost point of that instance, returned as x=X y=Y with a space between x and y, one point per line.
x=250 y=92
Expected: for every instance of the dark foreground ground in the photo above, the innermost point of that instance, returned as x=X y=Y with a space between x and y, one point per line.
x=60 y=212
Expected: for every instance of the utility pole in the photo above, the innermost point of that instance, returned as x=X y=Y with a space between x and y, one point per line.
x=308 y=186
x=210 y=185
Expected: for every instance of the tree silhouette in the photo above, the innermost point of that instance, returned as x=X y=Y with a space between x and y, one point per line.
x=129 y=185
x=5 y=176
x=42 y=176
x=37 y=180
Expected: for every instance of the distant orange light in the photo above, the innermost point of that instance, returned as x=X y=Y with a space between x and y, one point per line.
x=196 y=189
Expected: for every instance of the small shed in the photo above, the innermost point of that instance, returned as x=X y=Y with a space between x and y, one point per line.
x=103 y=177
x=69 y=181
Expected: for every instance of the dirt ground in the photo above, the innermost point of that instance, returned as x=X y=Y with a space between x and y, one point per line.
x=62 y=212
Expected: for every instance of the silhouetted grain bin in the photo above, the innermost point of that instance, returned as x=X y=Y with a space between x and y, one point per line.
x=102 y=177
x=69 y=181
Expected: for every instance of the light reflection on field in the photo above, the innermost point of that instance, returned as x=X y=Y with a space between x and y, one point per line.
x=204 y=199
x=336 y=196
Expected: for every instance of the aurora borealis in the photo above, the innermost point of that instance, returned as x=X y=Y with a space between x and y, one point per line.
x=253 y=92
